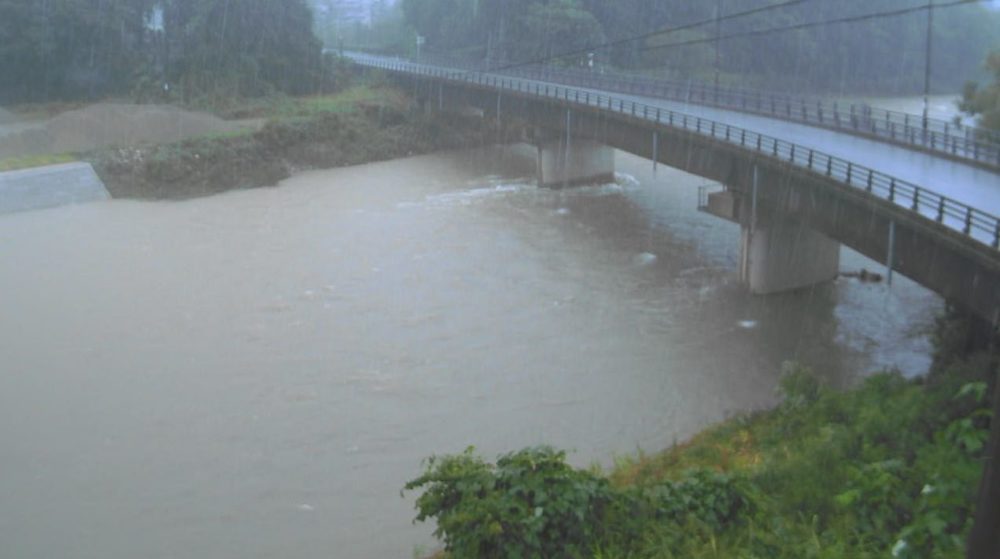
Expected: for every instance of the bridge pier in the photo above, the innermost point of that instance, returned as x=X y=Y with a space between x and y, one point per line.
x=572 y=161
x=783 y=255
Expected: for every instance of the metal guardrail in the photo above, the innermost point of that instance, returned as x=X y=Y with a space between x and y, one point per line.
x=935 y=135
x=975 y=224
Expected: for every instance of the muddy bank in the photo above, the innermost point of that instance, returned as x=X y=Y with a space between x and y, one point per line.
x=199 y=167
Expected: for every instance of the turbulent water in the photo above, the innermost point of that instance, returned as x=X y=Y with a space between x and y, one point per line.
x=256 y=374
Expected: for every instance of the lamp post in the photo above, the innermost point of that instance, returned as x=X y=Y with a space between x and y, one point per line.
x=927 y=63
x=718 y=39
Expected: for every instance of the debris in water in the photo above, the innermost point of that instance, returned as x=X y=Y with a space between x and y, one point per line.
x=645 y=258
x=864 y=276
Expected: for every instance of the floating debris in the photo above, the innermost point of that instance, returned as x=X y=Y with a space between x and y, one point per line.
x=864 y=276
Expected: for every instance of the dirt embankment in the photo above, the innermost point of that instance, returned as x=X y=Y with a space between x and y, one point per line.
x=108 y=124
x=203 y=166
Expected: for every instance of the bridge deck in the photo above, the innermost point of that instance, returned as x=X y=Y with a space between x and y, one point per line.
x=965 y=183
x=971 y=185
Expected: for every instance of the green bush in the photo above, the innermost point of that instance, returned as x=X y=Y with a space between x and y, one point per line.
x=530 y=504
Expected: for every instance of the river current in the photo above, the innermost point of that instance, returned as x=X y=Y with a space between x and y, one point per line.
x=257 y=374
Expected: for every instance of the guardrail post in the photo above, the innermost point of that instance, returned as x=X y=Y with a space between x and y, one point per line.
x=656 y=149
x=916 y=199
x=890 y=260
x=871 y=177
x=792 y=156
x=996 y=236
x=758 y=142
x=743 y=137
x=968 y=220
x=849 y=169
x=810 y=163
x=940 y=214
x=829 y=166
x=892 y=190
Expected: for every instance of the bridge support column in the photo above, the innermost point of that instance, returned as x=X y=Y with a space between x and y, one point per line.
x=783 y=255
x=567 y=163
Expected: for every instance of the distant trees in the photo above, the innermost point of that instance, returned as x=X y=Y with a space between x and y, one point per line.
x=70 y=49
x=985 y=101
x=241 y=47
x=876 y=55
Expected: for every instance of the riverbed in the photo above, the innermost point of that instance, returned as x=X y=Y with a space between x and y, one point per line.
x=257 y=373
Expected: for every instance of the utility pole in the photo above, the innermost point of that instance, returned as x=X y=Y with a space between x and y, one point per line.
x=718 y=39
x=927 y=62
x=983 y=542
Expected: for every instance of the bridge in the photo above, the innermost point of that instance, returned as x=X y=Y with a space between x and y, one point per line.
x=919 y=197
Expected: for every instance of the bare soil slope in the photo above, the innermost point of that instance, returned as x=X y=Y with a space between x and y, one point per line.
x=111 y=124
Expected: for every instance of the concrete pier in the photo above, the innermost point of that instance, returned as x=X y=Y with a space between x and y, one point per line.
x=784 y=255
x=562 y=164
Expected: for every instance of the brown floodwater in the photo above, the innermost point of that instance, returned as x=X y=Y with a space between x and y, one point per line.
x=257 y=374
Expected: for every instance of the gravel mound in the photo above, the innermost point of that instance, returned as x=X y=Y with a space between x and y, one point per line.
x=112 y=124
x=6 y=117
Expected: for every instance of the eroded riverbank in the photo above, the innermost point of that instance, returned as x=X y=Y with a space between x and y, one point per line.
x=282 y=147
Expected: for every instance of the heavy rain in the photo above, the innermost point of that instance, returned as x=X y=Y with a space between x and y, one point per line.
x=499 y=278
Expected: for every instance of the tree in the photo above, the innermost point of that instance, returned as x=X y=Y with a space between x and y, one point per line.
x=73 y=49
x=985 y=101
x=551 y=28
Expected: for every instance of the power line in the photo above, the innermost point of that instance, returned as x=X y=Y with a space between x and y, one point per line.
x=663 y=31
x=809 y=25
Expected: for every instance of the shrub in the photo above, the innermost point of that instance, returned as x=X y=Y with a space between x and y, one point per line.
x=530 y=504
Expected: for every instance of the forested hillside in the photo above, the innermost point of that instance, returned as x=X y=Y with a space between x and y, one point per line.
x=881 y=54
x=73 y=49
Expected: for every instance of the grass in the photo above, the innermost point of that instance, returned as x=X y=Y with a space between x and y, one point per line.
x=32 y=161
x=889 y=468
x=281 y=107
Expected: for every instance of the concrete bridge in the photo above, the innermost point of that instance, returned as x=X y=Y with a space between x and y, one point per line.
x=798 y=191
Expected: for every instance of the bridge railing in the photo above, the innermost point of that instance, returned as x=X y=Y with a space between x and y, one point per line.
x=957 y=216
x=939 y=136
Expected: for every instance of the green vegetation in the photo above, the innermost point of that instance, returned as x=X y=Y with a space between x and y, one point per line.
x=278 y=107
x=889 y=468
x=31 y=161
x=159 y=50
x=876 y=55
x=985 y=101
